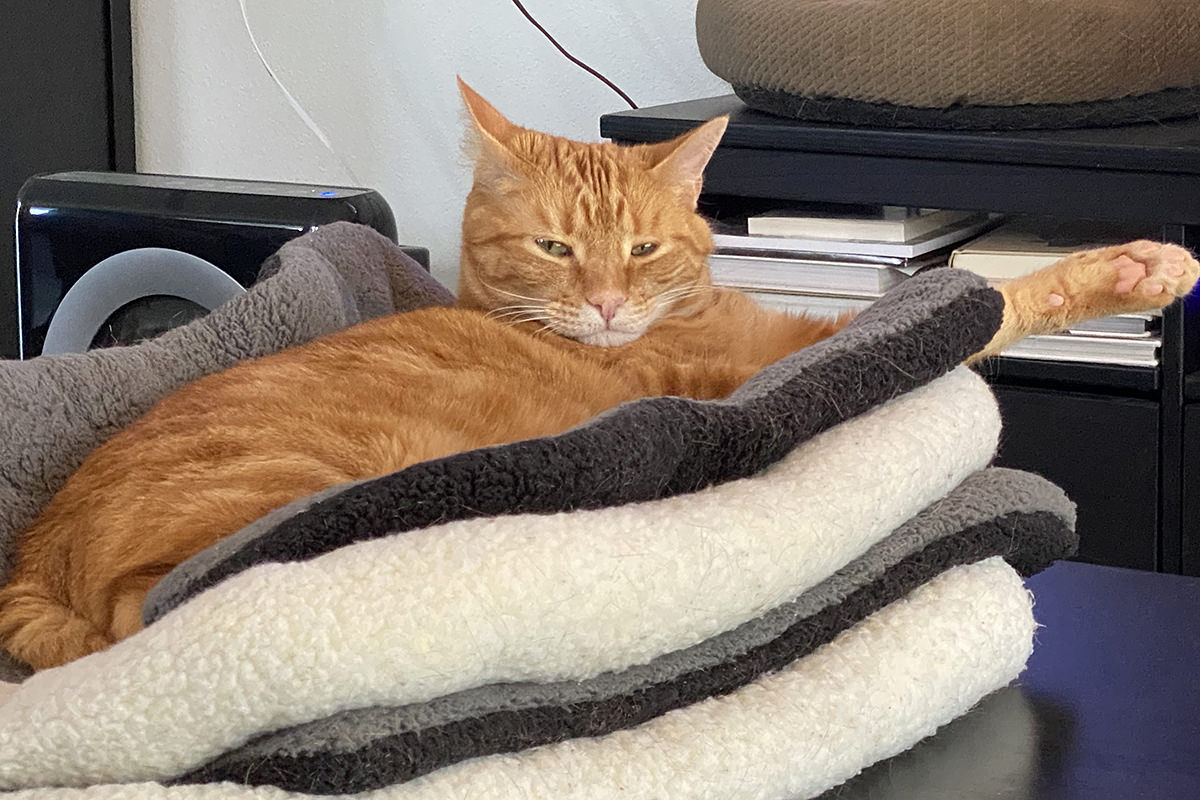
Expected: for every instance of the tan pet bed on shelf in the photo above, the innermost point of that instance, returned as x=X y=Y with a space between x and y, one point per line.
x=950 y=64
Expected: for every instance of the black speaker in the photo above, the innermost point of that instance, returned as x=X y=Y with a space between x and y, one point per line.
x=106 y=258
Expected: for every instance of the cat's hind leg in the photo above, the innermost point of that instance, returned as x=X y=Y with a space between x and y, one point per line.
x=43 y=632
x=1138 y=276
x=128 y=599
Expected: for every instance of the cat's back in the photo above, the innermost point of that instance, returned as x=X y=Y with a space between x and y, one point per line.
x=416 y=358
x=228 y=448
x=364 y=401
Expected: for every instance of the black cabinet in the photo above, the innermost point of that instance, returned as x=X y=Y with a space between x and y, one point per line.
x=1103 y=452
x=1113 y=437
x=66 y=102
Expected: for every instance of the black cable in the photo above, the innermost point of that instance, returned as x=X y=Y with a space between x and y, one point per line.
x=570 y=57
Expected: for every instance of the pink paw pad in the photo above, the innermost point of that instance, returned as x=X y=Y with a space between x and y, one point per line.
x=1129 y=272
x=1057 y=300
x=1174 y=261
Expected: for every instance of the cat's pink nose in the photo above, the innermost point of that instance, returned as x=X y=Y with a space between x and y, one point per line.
x=607 y=304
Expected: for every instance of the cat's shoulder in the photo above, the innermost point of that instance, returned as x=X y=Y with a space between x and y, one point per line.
x=437 y=329
x=429 y=320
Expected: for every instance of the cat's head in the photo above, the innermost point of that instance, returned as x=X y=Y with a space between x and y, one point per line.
x=595 y=241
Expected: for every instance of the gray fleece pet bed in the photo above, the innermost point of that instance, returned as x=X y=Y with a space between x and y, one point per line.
x=995 y=512
x=535 y=593
x=59 y=409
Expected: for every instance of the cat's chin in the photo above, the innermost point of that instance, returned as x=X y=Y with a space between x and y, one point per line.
x=607 y=338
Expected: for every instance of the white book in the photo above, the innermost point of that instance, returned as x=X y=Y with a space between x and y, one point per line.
x=1025 y=245
x=1125 y=326
x=934 y=240
x=812 y=305
x=788 y=274
x=881 y=224
x=1088 y=350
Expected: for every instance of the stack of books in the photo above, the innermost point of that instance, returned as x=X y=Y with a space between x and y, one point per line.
x=829 y=260
x=1024 y=245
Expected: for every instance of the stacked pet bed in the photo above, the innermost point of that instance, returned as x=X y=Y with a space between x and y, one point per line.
x=952 y=64
x=755 y=598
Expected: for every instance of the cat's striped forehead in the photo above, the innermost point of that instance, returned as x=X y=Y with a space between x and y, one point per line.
x=588 y=185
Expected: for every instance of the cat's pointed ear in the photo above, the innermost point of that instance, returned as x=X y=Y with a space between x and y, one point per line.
x=493 y=159
x=682 y=160
x=488 y=121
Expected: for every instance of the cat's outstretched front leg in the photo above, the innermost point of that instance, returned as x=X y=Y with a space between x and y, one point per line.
x=1139 y=276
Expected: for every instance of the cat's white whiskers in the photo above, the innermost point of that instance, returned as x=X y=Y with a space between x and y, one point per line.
x=508 y=311
x=498 y=290
x=522 y=320
x=665 y=303
x=681 y=292
x=517 y=315
x=520 y=305
x=665 y=300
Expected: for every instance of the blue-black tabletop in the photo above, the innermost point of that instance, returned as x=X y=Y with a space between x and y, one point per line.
x=1108 y=708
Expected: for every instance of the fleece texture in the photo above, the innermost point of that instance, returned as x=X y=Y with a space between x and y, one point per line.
x=874 y=691
x=644 y=450
x=408 y=618
x=57 y=409
x=948 y=54
x=1002 y=744
x=1024 y=518
x=689 y=599
x=1153 y=107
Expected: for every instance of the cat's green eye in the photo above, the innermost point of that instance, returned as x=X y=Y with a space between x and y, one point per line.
x=644 y=249
x=556 y=249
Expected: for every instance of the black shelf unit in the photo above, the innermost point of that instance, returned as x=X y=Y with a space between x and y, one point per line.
x=66 y=101
x=1123 y=441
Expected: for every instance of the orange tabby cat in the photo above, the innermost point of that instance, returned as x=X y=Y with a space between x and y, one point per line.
x=584 y=285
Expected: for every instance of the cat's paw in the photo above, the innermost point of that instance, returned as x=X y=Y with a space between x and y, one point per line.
x=1138 y=276
x=1162 y=272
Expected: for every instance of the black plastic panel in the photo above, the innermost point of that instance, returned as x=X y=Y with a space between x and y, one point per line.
x=67 y=223
x=1103 y=452
x=66 y=102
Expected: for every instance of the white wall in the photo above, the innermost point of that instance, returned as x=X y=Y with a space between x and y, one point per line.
x=378 y=77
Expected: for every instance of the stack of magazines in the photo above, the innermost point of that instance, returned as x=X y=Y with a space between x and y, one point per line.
x=1024 y=245
x=829 y=260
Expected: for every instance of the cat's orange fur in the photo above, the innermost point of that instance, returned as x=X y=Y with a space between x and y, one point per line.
x=559 y=320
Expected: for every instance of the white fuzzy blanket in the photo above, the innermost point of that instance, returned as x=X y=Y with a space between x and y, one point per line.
x=537 y=598
x=874 y=691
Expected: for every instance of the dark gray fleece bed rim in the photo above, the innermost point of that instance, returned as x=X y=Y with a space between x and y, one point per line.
x=1029 y=541
x=1154 y=107
x=681 y=445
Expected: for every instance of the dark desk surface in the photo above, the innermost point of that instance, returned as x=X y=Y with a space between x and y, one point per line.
x=1108 y=709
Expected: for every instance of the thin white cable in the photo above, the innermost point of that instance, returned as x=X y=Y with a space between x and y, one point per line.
x=295 y=104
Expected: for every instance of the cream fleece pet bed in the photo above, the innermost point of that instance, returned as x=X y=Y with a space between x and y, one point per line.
x=834 y=591
x=872 y=693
